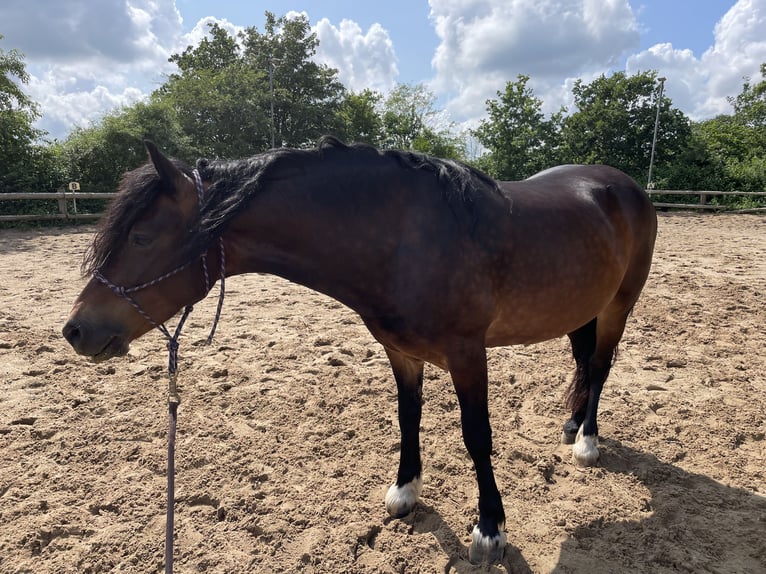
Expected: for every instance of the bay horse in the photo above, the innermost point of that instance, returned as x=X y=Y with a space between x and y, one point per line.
x=439 y=261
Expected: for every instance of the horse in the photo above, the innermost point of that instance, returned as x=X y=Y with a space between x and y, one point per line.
x=439 y=260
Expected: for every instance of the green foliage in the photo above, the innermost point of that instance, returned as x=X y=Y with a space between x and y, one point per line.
x=411 y=122
x=750 y=104
x=519 y=139
x=219 y=101
x=21 y=156
x=441 y=144
x=695 y=168
x=359 y=120
x=98 y=156
x=225 y=88
x=307 y=95
x=11 y=95
x=614 y=124
x=746 y=162
x=731 y=150
x=406 y=113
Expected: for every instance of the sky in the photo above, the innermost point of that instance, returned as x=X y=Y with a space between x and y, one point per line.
x=85 y=58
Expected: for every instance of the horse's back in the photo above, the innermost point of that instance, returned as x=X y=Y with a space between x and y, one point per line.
x=571 y=197
x=576 y=236
x=565 y=185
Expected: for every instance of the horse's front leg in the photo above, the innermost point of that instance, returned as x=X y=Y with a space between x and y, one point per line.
x=405 y=492
x=468 y=367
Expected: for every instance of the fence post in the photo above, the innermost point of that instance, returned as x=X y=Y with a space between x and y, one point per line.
x=62 y=205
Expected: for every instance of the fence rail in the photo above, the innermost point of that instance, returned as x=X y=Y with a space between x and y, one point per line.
x=63 y=207
x=703 y=195
x=64 y=197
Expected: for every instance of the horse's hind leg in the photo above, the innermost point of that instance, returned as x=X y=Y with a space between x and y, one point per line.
x=583 y=342
x=586 y=390
x=405 y=492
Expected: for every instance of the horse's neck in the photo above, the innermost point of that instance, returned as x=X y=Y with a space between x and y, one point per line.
x=312 y=236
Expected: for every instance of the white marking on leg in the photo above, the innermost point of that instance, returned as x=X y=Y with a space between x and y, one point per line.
x=400 y=500
x=585 y=449
x=486 y=549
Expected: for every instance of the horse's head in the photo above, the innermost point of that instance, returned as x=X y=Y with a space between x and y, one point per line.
x=142 y=270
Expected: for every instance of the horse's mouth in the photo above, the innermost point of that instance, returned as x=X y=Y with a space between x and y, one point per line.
x=115 y=347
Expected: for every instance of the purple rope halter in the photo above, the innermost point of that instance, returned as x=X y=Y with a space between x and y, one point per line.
x=174 y=398
x=126 y=293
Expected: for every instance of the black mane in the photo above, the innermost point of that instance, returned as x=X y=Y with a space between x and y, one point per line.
x=234 y=182
x=138 y=190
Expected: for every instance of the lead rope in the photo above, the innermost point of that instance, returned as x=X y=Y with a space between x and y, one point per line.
x=174 y=398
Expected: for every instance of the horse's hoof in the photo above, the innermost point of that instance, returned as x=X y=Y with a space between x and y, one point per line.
x=585 y=450
x=486 y=549
x=570 y=432
x=567 y=437
x=400 y=500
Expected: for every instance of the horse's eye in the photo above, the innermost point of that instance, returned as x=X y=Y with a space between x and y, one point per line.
x=141 y=239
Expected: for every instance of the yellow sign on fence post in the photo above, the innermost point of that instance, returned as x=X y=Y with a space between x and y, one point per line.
x=74 y=186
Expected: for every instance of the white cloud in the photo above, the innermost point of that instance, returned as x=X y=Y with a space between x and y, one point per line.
x=686 y=76
x=65 y=109
x=72 y=31
x=485 y=43
x=363 y=60
x=85 y=60
x=700 y=86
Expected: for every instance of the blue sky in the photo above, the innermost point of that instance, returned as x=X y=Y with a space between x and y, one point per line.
x=86 y=58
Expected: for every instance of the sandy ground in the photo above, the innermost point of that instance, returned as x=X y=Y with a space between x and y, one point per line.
x=288 y=436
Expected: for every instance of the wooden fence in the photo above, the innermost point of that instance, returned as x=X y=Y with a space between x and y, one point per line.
x=63 y=199
x=703 y=204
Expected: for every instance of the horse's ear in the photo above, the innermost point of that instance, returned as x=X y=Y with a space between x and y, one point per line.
x=167 y=171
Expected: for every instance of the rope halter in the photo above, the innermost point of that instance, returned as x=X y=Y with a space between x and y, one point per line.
x=126 y=293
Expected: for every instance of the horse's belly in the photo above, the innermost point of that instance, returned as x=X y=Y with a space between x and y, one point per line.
x=502 y=334
x=543 y=316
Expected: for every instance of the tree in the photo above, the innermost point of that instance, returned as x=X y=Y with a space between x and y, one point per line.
x=221 y=102
x=307 y=95
x=226 y=88
x=695 y=167
x=614 y=124
x=359 y=120
x=21 y=156
x=519 y=139
x=411 y=122
x=750 y=105
x=748 y=167
x=98 y=156
x=441 y=143
x=725 y=153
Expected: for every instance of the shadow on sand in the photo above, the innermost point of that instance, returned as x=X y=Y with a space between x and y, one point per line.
x=693 y=524
x=426 y=519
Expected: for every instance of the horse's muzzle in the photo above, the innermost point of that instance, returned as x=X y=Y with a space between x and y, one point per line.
x=97 y=343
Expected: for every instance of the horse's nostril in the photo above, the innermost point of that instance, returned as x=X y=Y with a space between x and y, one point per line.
x=72 y=333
